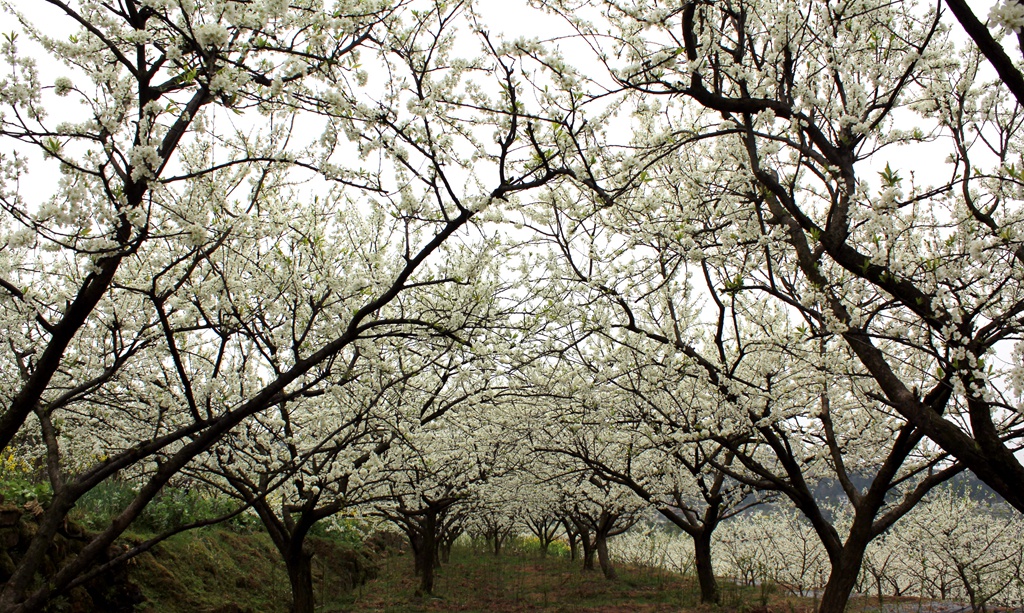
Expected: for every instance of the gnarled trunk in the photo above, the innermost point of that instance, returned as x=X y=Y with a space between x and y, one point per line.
x=427 y=554
x=416 y=544
x=289 y=537
x=705 y=572
x=588 y=549
x=300 y=576
x=444 y=546
x=573 y=537
x=843 y=577
x=603 y=557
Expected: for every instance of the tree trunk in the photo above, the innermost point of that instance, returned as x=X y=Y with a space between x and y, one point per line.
x=446 y=542
x=573 y=538
x=300 y=575
x=705 y=572
x=416 y=543
x=602 y=556
x=544 y=544
x=497 y=544
x=588 y=550
x=428 y=552
x=843 y=576
x=289 y=539
x=446 y=551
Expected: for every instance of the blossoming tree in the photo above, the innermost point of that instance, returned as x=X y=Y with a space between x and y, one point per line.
x=178 y=282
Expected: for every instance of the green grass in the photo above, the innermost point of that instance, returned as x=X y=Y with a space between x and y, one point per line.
x=215 y=568
x=475 y=580
x=224 y=570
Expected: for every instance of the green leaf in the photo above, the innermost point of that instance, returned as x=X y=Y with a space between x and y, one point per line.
x=52 y=146
x=890 y=178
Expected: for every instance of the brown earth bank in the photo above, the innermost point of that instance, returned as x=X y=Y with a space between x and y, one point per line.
x=211 y=570
x=112 y=591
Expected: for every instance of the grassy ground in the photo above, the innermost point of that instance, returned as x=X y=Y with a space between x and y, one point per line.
x=519 y=581
x=223 y=571
x=220 y=570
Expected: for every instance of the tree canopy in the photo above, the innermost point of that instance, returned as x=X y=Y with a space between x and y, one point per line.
x=394 y=259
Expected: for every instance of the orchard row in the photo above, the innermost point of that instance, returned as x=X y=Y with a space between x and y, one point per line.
x=404 y=259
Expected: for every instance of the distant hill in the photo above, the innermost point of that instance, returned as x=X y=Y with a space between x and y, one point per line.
x=830 y=492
